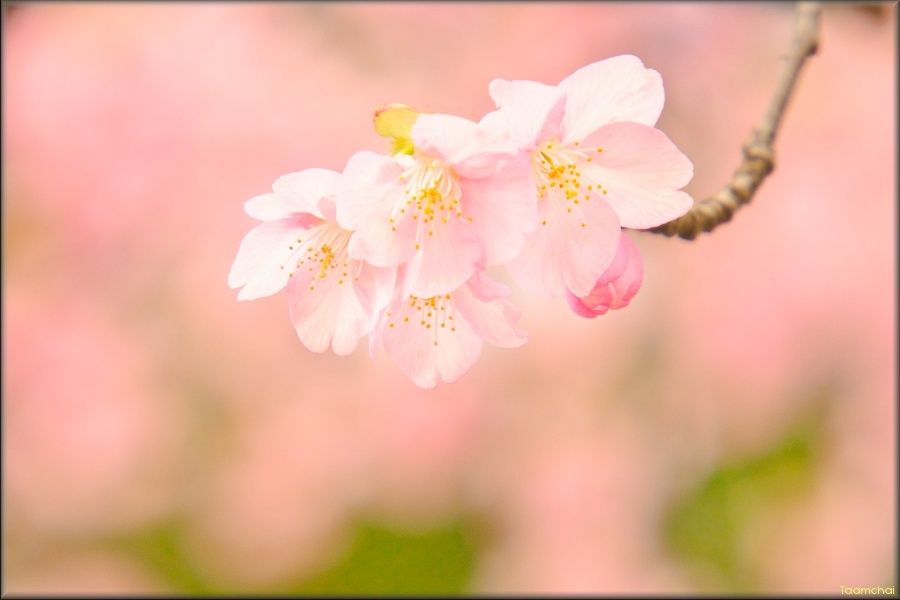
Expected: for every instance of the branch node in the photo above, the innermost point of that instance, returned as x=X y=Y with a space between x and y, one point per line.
x=758 y=154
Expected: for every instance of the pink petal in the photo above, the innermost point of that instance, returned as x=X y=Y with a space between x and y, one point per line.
x=472 y=150
x=428 y=355
x=328 y=208
x=484 y=305
x=564 y=254
x=615 y=89
x=368 y=180
x=444 y=260
x=396 y=294
x=367 y=194
x=260 y=263
x=444 y=136
x=294 y=193
x=375 y=286
x=531 y=112
x=328 y=312
x=616 y=287
x=503 y=209
x=381 y=246
x=269 y=207
x=643 y=170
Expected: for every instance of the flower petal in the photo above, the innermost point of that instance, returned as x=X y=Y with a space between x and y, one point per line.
x=616 y=287
x=473 y=151
x=368 y=192
x=531 y=112
x=294 y=193
x=328 y=312
x=616 y=89
x=484 y=305
x=444 y=136
x=428 y=355
x=269 y=207
x=260 y=262
x=374 y=286
x=503 y=209
x=368 y=179
x=445 y=259
x=376 y=336
x=642 y=170
x=562 y=253
x=328 y=208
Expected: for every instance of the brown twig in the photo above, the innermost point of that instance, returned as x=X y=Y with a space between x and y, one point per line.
x=759 y=156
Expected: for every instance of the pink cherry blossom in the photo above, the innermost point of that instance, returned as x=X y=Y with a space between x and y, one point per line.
x=333 y=298
x=617 y=285
x=459 y=203
x=597 y=165
x=439 y=338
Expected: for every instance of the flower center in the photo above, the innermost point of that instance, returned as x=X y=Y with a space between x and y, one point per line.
x=432 y=197
x=556 y=169
x=434 y=314
x=322 y=252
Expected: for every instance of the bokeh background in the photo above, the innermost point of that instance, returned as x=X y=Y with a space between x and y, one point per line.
x=734 y=430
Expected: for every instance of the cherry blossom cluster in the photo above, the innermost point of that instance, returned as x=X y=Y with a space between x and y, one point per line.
x=397 y=245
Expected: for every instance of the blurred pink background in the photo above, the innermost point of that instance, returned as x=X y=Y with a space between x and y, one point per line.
x=139 y=392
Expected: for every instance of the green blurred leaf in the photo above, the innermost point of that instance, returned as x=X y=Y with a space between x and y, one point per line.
x=386 y=561
x=162 y=551
x=380 y=561
x=708 y=529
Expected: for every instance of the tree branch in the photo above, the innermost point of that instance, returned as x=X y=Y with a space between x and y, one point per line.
x=759 y=156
